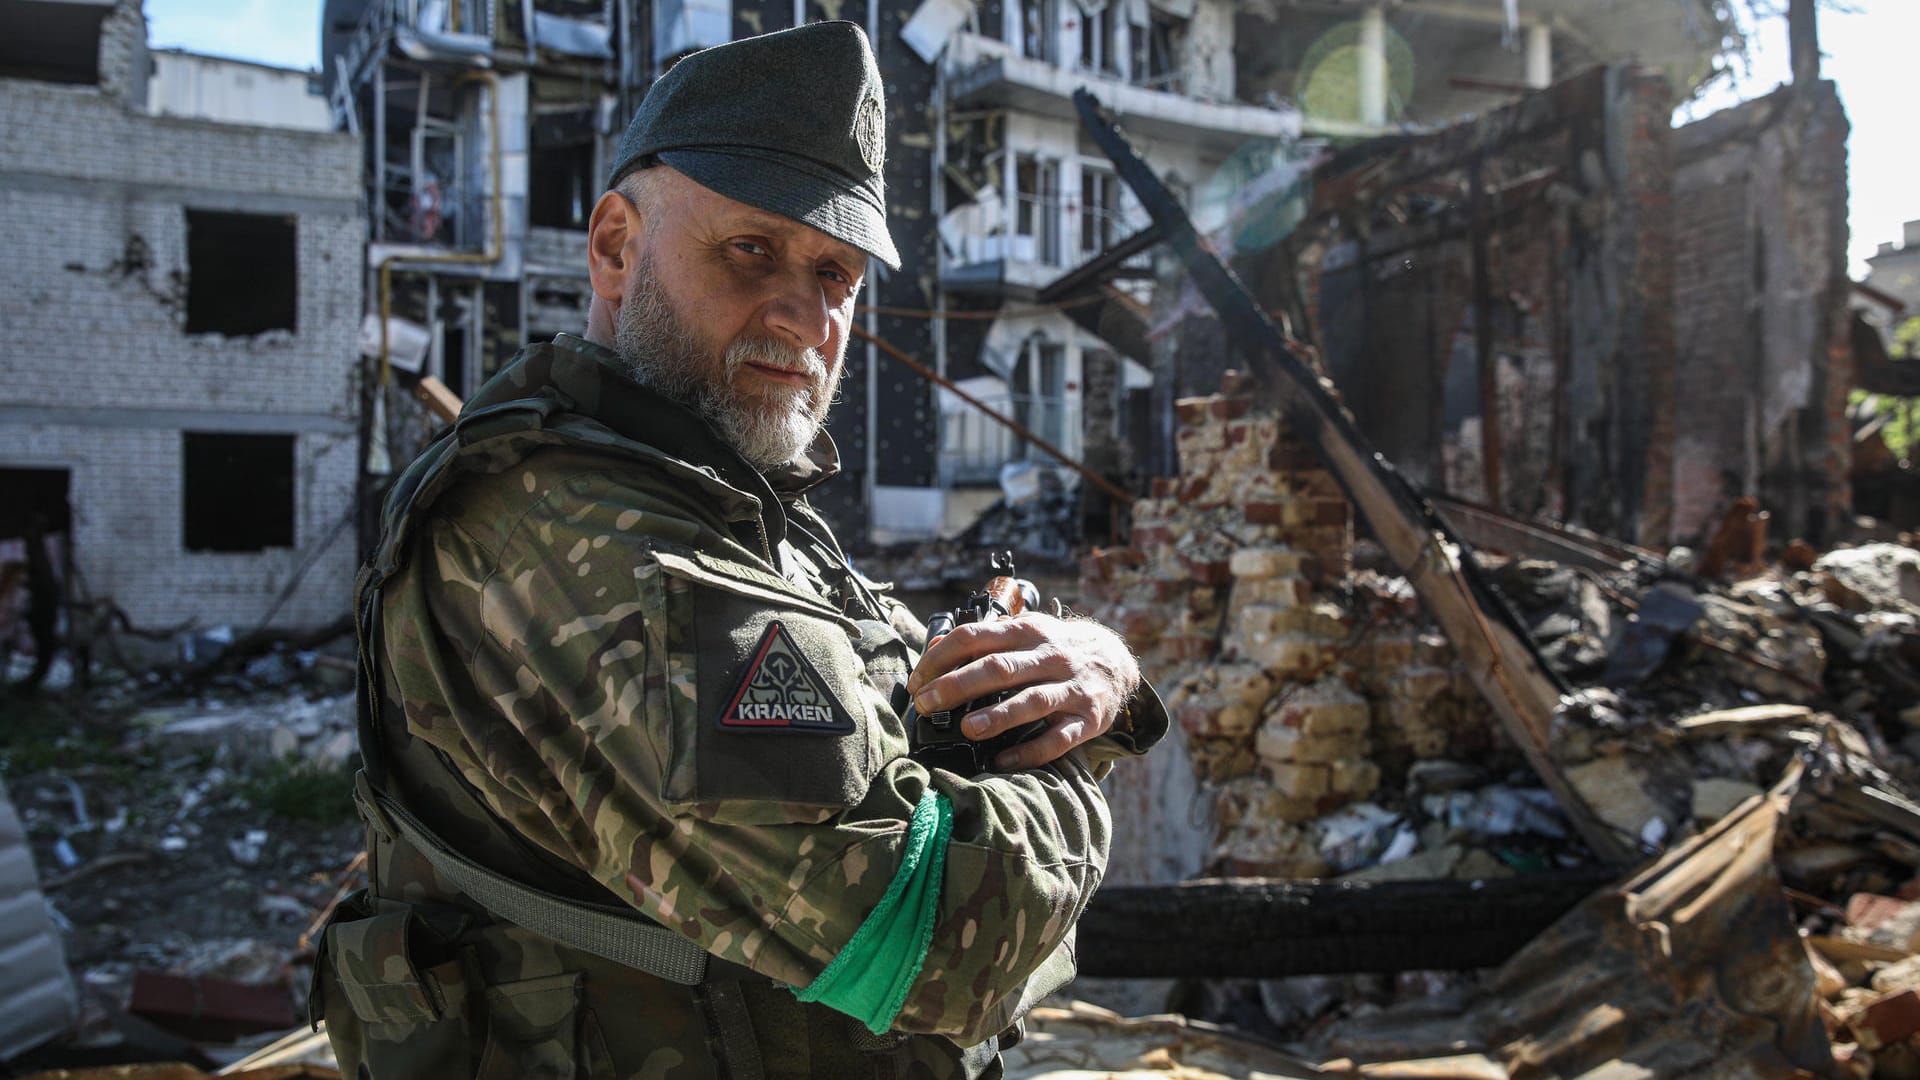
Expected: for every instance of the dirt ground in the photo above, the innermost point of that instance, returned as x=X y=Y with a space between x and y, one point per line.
x=179 y=856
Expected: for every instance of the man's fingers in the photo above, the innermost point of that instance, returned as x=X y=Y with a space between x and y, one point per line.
x=966 y=643
x=992 y=673
x=1065 y=734
x=1033 y=703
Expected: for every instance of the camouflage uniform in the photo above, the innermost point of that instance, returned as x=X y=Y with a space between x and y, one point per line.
x=582 y=586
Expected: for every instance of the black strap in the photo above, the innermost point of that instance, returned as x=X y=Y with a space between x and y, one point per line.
x=730 y=1030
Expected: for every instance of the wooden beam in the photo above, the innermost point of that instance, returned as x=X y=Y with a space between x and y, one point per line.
x=443 y=403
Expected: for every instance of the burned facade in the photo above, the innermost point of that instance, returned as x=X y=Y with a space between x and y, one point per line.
x=184 y=294
x=1567 y=308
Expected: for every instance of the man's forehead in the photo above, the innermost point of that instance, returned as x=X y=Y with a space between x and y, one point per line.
x=733 y=214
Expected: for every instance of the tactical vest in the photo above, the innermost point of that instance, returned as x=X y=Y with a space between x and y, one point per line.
x=473 y=952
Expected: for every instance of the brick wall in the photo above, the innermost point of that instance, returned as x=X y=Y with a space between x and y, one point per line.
x=1493 y=300
x=93 y=284
x=1291 y=695
x=1760 y=310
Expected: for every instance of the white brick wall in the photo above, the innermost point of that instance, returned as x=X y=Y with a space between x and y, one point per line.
x=126 y=493
x=100 y=379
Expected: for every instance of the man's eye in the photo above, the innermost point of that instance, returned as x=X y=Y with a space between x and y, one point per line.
x=834 y=275
x=750 y=247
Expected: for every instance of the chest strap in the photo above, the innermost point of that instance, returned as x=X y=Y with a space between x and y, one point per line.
x=622 y=936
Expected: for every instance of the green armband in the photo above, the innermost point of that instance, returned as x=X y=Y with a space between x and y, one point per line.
x=870 y=978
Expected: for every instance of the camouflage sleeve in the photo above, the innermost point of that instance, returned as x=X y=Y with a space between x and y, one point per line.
x=717 y=746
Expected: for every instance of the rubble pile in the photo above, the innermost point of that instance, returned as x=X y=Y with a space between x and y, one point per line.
x=187 y=851
x=1334 y=735
x=1299 y=684
x=318 y=732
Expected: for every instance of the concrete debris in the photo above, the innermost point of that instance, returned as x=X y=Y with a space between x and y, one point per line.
x=186 y=860
x=319 y=731
x=1333 y=733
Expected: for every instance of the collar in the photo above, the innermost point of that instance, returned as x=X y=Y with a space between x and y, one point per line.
x=592 y=381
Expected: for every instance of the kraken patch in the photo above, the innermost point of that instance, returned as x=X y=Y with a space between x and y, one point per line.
x=781 y=690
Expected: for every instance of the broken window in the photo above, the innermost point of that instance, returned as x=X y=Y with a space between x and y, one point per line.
x=46 y=42
x=1097 y=51
x=238 y=491
x=1037 y=30
x=1156 y=52
x=1040 y=392
x=1036 y=215
x=1100 y=223
x=241 y=276
x=681 y=26
x=562 y=183
x=428 y=159
x=30 y=496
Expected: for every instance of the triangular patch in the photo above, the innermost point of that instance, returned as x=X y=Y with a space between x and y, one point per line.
x=781 y=690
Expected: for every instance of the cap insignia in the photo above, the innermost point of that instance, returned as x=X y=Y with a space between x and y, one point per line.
x=869 y=132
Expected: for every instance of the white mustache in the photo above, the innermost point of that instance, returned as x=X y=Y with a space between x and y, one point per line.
x=769 y=353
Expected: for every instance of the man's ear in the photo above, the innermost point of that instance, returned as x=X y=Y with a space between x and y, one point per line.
x=611 y=231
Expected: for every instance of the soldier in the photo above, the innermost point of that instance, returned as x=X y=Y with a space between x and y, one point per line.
x=638 y=791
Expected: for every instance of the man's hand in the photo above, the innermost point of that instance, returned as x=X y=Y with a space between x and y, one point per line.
x=1074 y=672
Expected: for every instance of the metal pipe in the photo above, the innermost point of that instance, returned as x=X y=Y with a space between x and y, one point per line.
x=379 y=207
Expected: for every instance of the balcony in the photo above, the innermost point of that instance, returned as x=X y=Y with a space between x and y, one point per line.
x=1017 y=246
x=984 y=73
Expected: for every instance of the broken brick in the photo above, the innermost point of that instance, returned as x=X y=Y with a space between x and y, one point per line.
x=1265 y=513
x=1229 y=408
x=1888 y=1020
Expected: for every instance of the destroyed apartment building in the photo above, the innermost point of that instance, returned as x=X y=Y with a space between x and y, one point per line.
x=178 y=427
x=488 y=128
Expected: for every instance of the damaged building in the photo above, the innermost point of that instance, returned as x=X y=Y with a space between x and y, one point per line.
x=1565 y=307
x=182 y=284
x=488 y=128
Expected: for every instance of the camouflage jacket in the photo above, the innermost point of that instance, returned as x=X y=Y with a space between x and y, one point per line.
x=654 y=667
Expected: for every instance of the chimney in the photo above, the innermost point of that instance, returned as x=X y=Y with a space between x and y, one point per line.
x=1912 y=237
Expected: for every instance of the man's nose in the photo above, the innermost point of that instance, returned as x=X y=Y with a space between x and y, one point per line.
x=798 y=311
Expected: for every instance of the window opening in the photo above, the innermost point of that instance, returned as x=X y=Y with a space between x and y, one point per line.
x=428 y=195
x=57 y=43
x=238 y=491
x=561 y=182
x=1037 y=209
x=1038 y=30
x=1100 y=224
x=1155 y=59
x=1097 y=52
x=241 y=273
x=1040 y=394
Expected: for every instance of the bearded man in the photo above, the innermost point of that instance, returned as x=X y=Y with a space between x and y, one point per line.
x=638 y=787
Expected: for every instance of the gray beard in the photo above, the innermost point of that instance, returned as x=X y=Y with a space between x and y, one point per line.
x=661 y=355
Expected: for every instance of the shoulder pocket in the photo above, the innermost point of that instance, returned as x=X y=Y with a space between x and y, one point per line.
x=771 y=712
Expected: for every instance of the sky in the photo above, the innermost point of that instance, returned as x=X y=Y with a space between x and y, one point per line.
x=1868 y=46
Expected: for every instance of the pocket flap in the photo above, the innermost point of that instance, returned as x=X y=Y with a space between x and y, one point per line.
x=534 y=1010
x=370 y=957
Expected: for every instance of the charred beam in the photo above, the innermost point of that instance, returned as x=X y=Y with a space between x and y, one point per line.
x=1095 y=270
x=1257 y=928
